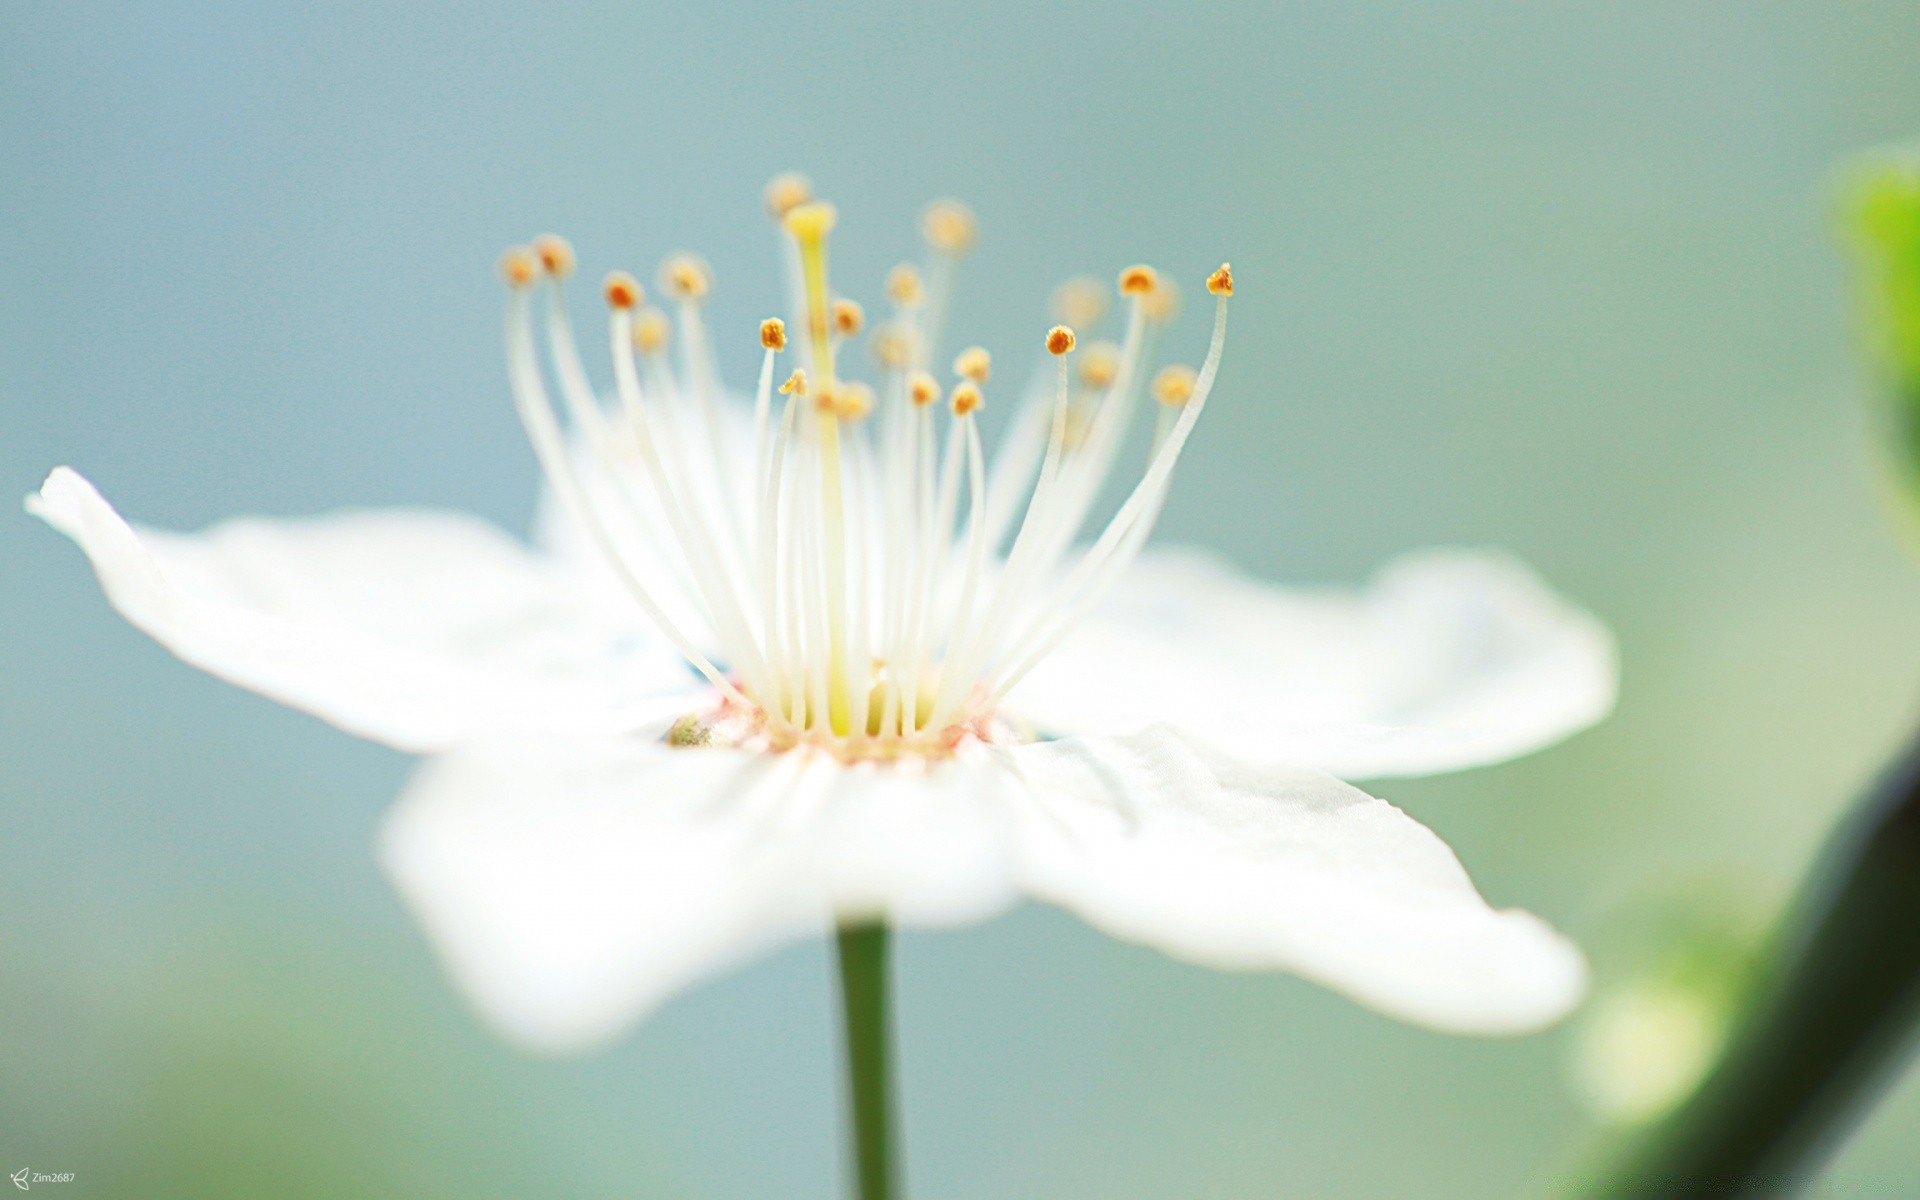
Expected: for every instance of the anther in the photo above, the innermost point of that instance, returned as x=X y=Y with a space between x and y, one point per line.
x=973 y=363
x=1080 y=302
x=965 y=398
x=555 y=253
x=848 y=318
x=622 y=290
x=1060 y=340
x=1173 y=385
x=518 y=266
x=852 y=401
x=811 y=221
x=785 y=193
x=1099 y=364
x=1162 y=304
x=904 y=287
x=773 y=334
x=796 y=384
x=651 y=333
x=922 y=389
x=1139 y=281
x=685 y=277
x=892 y=346
x=949 y=227
x=1220 y=283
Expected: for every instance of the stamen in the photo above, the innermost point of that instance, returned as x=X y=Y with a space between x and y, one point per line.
x=904 y=287
x=622 y=290
x=848 y=318
x=965 y=398
x=1060 y=340
x=923 y=389
x=973 y=363
x=787 y=192
x=1173 y=385
x=1138 y=280
x=555 y=253
x=518 y=266
x=949 y=227
x=686 y=277
x=773 y=334
x=651 y=332
x=1080 y=302
x=1099 y=364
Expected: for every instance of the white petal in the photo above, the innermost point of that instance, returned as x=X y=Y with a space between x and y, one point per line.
x=1257 y=867
x=413 y=628
x=1448 y=659
x=570 y=887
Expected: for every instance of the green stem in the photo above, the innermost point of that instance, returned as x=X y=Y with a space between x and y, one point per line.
x=1829 y=1027
x=869 y=1033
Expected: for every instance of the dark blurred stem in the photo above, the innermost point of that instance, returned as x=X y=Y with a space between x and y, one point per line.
x=1828 y=1025
x=869 y=1033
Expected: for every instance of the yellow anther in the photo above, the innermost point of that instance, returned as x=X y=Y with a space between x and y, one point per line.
x=1173 y=385
x=518 y=266
x=965 y=398
x=651 y=333
x=1139 y=281
x=686 y=277
x=1162 y=304
x=1099 y=364
x=904 y=287
x=892 y=346
x=1060 y=340
x=949 y=227
x=622 y=290
x=796 y=384
x=1080 y=302
x=848 y=318
x=922 y=388
x=773 y=334
x=785 y=193
x=852 y=401
x=811 y=221
x=973 y=363
x=1220 y=283
x=555 y=253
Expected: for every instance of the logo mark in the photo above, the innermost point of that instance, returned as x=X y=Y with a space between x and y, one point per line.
x=20 y=1179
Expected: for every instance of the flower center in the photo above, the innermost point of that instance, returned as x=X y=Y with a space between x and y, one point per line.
x=813 y=558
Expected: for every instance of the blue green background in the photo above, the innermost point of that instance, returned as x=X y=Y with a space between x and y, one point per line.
x=1554 y=276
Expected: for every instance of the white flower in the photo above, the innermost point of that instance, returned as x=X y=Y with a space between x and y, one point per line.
x=874 y=663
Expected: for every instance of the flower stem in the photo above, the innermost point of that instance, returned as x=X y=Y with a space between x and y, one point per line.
x=1829 y=1025
x=869 y=1032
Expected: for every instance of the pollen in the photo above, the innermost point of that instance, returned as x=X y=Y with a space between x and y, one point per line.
x=848 y=318
x=922 y=389
x=1220 y=283
x=1099 y=365
x=949 y=227
x=1080 y=302
x=973 y=363
x=622 y=290
x=904 y=287
x=556 y=255
x=965 y=398
x=796 y=384
x=811 y=221
x=686 y=277
x=773 y=334
x=651 y=333
x=1139 y=281
x=786 y=192
x=1060 y=340
x=518 y=266
x=1173 y=385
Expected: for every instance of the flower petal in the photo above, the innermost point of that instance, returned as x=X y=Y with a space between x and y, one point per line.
x=1448 y=659
x=413 y=628
x=1236 y=867
x=572 y=887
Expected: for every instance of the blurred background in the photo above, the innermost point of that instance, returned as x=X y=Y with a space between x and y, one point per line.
x=1558 y=277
